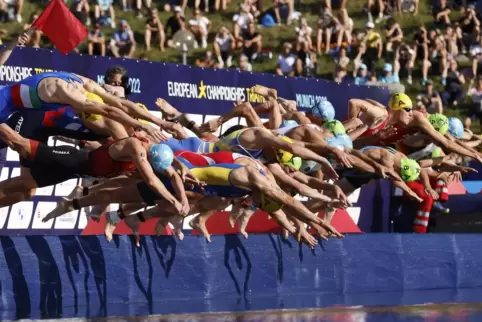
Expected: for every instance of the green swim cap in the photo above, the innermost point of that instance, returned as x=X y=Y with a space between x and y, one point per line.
x=335 y=127
x=437 y=152
x=295 y=163
x=410 y=170
x=440 y=122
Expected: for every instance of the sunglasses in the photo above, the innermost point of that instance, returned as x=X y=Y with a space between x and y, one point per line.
x=407 y=109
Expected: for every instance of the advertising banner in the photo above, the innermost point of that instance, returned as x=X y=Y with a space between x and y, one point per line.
x=204 y=94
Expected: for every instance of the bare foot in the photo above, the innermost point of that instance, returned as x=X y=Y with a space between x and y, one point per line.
x=244 y=219
x=236 y=212
x=264 y=91
x=320 y=231
x=168 y=111
x=200 y=226
x=133 y=223
x=63 y=207
x=111 y=221
x=161 y=225
x=177 y=223
x=285 y=233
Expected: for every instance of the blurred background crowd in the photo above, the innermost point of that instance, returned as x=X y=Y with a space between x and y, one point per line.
x=432 y=47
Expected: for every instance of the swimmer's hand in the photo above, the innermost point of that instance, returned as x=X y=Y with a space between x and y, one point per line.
x=345 y=159
x=330 y=229
x=156 y=134
x=182 y=208
x=211 y=126
x=340 y=195
x=328 y=170
x=413 y=195
x=188 y=178
x=432 y=193
x=384 y=134
x=176 y=130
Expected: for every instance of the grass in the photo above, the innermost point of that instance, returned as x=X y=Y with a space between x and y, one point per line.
x=273 y=38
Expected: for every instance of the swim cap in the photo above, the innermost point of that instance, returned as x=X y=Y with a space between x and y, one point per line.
x=160 y=157
x=281 y=155
x=335 y=142
x=308 y=166
x=269 y=205
x=399 y=101
x=145 y=108
x=335 y=127
x=288 y=123
x=456 y=128
x=346 y=140
x=410 y=170
x=437 y=152
x=439 y=122
x=323 y=109
x=88 y=116
x=295 y=163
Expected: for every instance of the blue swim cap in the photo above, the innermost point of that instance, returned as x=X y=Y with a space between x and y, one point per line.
x=345 y=140
x=160 y=157
x=335 y=142
x=456 y=128
x=288 y=123
x=324 y=109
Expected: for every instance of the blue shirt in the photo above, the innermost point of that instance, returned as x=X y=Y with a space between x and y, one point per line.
x=361 y=80
x=120 y=35
x=393 y=78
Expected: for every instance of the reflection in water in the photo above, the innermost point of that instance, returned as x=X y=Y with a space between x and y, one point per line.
x=423 y=313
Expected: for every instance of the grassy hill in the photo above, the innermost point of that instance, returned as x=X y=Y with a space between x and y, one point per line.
x=273 y=38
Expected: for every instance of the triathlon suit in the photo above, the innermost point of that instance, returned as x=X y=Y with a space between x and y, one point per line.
x=370 y=132
x=53 y=165
x=205 y=159
x=216 y=177
x=287 y=129
x=24 y=94
x=193 y=144
x=231 y=143
x=40 y=125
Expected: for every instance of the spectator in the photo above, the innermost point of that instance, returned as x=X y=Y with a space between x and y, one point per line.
x=326 y=28
x=438 y=54
x=283 y=10
x=342 y=60
x=374 y=47
x=475 y=93
x=116 y=81
x=154 y=26
x=408 y=5
x=393 y=34
x=389 y=76
x=306 y=62
x=341 y=4
x=470 y=27
x=374 y=6
x=174 y=24
x=123 y=44
x=12 y=10
x=429 y=100
x=96 y=42
x=241 y=22
x=207 y=60
x=405 y=58
x=220 y=5
x=340 y=75
x=476 y=53
x=453 y=81
x=362 y=75
x=103 y=6
x=303 y=33
x=344 y=29
x=252 y=42
x=421 y=51
x=81 y=9
x=451 y=42
x=441 y=12
x=200 y=27
x=223 y=47
x=244 y=65
x=286 y=61
x=36 y=35
x=254 y=7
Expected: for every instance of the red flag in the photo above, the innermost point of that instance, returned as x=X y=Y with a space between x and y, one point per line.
x=61 y=26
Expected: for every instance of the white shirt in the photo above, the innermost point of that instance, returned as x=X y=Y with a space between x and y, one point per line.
x=243 y=20
x=202 y=22
x=476 y=95
x=304 y=32
x=224 y=42
x=286 y=64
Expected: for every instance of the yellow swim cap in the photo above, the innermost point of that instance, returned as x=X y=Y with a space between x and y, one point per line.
x=410 y=170
x=269 y=205
x=439 y=122
x=145 y=108
x=287 y=158
x=437 y=152
x=92 y=117
x=399 y=101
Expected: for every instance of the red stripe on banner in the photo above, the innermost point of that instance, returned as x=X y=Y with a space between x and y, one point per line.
x=342 y=222
x=16 y=98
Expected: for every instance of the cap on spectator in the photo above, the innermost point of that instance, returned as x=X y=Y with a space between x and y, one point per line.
x=177 y=9
x=243 y=58
x=370 y=25
x=287 y=45
x=428 y=82
x=363 y=66
x=123 y=22
x=387 y=67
